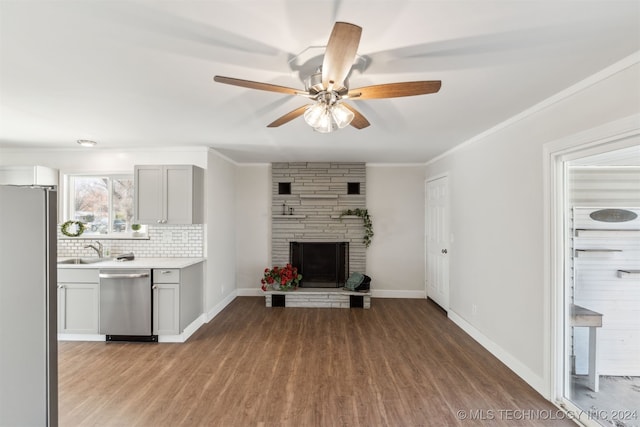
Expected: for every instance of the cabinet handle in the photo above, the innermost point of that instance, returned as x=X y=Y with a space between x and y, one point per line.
x=165 y=272
x=60 y=286
x=154 y=287
x=159 y=221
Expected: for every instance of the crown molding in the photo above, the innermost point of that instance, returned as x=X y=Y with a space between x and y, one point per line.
x=602 y=75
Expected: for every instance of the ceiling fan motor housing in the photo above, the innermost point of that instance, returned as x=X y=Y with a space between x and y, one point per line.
x=313 y=85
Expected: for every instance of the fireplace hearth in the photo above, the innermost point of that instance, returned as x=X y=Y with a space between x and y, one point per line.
x=322 y=264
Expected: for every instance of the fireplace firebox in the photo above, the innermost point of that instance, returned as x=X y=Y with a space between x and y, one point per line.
x=322 y=264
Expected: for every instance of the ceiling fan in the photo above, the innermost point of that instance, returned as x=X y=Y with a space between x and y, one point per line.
x=328 y=87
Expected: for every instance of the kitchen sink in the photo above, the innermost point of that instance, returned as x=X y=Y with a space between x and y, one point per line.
x=81 y=260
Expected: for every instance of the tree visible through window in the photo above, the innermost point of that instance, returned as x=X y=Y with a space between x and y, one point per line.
x=103 y=203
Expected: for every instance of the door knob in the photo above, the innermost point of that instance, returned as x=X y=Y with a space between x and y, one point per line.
x=444 y=251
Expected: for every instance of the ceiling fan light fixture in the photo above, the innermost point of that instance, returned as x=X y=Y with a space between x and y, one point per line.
x=313 y=114
x=328 y=114
x=341 y=115
x=326 y=123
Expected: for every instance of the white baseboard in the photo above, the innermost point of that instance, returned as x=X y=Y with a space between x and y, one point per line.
x=385 y=293
x=249 y=292
x=220 y=306
x=81 y=337
x=530 y=377
x=188 y=331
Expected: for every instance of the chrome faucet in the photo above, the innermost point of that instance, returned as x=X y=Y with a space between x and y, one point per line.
x=98 y=249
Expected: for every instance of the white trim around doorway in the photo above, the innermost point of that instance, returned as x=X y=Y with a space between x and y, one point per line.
x=610 y=137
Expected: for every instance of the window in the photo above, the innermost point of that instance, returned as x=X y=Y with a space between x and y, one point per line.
x=104 y=203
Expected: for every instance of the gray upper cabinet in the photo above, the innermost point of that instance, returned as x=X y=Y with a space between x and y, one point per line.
x=169 y=194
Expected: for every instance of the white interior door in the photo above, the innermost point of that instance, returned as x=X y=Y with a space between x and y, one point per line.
x=437 y=240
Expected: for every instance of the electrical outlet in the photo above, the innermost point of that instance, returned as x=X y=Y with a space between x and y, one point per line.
x=474 y=309
x=167 y=236
x=185 y=237
x=222 y=290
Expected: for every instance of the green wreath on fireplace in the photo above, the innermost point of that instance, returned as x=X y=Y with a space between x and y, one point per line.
x=366 y=219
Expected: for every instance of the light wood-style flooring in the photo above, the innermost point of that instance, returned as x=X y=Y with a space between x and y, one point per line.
x=400 y=363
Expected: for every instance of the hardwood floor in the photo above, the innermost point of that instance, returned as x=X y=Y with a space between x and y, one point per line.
x=401 y=363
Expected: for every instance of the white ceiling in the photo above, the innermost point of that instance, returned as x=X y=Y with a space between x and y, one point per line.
x=140 y=74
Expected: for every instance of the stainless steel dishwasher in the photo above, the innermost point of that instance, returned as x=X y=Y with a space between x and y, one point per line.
x=125 y=305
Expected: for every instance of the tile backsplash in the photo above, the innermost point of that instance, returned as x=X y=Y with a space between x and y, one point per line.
x=166 y=241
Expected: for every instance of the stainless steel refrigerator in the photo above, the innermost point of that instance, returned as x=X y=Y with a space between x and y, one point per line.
x=28 y=311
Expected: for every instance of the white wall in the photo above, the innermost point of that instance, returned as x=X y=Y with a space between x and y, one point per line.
x=220 y=283
x=253 y=217
x=395 y=259
x=497 y=257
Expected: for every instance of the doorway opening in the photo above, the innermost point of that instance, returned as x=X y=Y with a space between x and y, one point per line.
x=595 y=285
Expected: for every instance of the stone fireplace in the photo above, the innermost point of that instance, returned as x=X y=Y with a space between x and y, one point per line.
x=307 y=202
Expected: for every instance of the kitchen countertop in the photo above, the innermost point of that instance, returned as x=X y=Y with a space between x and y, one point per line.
x=136 y=263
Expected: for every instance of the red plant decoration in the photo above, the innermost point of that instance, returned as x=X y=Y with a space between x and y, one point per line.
x=280 y=278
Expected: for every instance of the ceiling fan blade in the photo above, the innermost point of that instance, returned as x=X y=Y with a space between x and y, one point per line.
x=260 y=86
x=395 y=90
x=340 y=54
x=359 y=121
x=288 y=117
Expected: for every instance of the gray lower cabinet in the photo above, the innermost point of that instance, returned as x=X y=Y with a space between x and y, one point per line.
x=166 y=308
x=78 y=301
x=177 y=298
